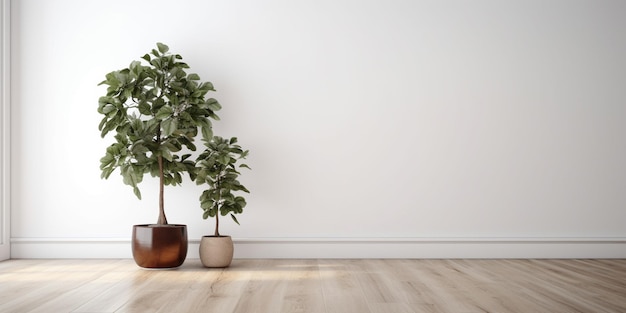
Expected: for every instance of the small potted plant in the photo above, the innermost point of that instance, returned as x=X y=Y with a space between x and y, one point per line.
x=217 y=167
x=155 y=111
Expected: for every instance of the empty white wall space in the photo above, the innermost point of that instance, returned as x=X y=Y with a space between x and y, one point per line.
x=5 y=129
x=375 y=128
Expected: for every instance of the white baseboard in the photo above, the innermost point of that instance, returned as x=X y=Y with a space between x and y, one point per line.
x=358 y=248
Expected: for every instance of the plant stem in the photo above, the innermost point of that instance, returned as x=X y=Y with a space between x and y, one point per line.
x=162 y=219
x=217 y=212
x=217 y=224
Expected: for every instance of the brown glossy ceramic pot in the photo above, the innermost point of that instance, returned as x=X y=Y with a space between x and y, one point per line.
x=159 y=246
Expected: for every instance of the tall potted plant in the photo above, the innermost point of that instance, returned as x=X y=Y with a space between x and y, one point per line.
x=217 y=168
x=155 y=111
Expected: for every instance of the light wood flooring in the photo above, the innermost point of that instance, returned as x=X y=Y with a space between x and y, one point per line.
x=342 y=286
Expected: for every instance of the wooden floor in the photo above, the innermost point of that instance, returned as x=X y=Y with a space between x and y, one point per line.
x=342 y=286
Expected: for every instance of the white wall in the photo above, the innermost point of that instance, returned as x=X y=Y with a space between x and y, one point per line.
x=414 y=128
x=5 y=119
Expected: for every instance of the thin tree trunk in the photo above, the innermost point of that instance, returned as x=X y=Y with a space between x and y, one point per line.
x=162 y=219
x=217 y=204
x=217 y=224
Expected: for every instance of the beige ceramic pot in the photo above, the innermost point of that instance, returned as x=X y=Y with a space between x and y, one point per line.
x=216 y=251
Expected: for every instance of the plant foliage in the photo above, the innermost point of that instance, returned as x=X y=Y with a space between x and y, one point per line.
x=217 y=167
x=155 y=111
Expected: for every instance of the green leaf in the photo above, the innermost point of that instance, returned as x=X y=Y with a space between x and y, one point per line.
x=107 y=172
x=164 y=112
x=166 y=153
x=241 y=202
x=213 y=105
x=234 y=219
x=162 y=47
x=108 y=108
x=223 y=159
x=156 y=62
x=214 y=116
x=178 y=178
x=169 y=126
x=144 y=108
x=102 y=123
x=207 y=133
x=193 y=76
x=106 y=160
x=208 y=86
x=137 y=192
x=135 y=68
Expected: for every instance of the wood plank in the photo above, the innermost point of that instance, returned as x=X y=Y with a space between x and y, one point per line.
x=341 y=288
x=265 y=289
x=53 y=285
x=303 y=293
x=316 y=286
x=213 y=290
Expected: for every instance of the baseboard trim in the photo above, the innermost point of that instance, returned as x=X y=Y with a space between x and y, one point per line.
x=290 y=248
